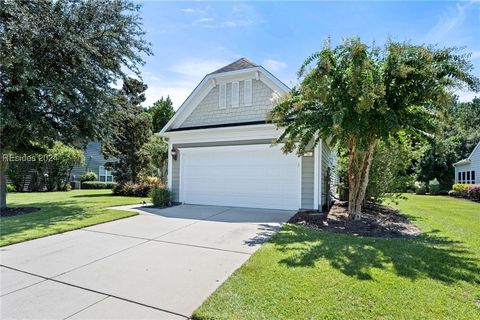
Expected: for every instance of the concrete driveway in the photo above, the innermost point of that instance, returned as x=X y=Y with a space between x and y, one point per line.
x=161 y=264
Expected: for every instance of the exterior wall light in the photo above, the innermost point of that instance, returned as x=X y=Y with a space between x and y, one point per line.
x=173 y=152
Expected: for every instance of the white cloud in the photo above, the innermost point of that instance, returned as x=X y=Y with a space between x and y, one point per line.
x=466 y=96
x=274 y=65
x=449 y=21
x=475 y=55
x=183 y=77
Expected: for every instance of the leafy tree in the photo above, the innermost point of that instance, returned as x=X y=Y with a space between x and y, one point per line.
x=161 y=111
x=59 y=165
x=156 y=149
x=131 y=129
x=58 y=60
x=360 y=96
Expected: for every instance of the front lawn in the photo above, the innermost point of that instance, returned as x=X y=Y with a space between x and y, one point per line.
x=60 y=212
x=307 y=274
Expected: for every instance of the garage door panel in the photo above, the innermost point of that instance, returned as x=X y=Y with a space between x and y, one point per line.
x=262 y=177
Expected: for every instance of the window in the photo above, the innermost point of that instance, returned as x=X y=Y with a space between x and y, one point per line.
x=104 y=174
x=473 y=177
x=222 y=96
x=463 y=177
x=459 y=180
x=468 y=176
x=247 y=93
x=235 y=94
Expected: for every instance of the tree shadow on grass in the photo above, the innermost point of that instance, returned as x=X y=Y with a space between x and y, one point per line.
x=428 y=255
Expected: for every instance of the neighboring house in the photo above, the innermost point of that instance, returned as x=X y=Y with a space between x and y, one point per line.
x=95 y=162
x=468 y=170
x=220 y=150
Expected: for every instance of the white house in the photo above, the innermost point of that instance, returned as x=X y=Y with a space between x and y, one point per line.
x=220 y=150
x=468 y=170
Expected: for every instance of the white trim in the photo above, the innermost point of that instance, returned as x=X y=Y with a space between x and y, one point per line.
x=299 y=165
x=222 y=100
x=315 y=177
x=249 y=132
x=180 y=184
x=320 y=176
x=204 y=87
x=248 y=94
x=477 y=147
x=170 y=166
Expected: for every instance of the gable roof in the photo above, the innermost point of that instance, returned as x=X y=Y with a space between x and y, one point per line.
x=240 y=64
x=469 y=159
x=239 y=67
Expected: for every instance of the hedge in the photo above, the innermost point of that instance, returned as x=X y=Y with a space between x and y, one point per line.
x=98 y=185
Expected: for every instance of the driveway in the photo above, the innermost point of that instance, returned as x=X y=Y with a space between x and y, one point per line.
x=161 y=264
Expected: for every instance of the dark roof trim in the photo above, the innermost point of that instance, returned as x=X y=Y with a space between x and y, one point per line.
x=223 y=125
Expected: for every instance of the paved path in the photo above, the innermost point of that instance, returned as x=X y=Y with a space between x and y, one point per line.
x=161 y=264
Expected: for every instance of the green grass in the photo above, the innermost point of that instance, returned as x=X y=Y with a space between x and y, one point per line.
x=60 y=212
x=307 y=274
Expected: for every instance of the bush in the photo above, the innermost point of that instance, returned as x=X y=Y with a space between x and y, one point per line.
x=131 y=189
x=420 y=188
x=461 y=189
x=474 y=191
x=64 y=187
x=98 y=185
x=160 y=197
x=152 y=181
x=453 y=193
x=443 y=193
x=10 y=188
x=88 y=176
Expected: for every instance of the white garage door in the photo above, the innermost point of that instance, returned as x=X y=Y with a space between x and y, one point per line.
x=257 y=176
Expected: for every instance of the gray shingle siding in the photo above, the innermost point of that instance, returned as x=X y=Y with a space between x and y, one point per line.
x=307 y=182
x=209 y=113
x=474 y=165
x=326 y=162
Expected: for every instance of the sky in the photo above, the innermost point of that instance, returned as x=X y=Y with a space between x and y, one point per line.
x=191 y=39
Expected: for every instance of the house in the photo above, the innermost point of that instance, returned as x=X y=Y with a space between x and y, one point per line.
x=95 y=162
x=468 y=170
x=220 y=150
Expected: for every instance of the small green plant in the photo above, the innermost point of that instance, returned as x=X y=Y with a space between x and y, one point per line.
x=161 y=197
x=420 y=188
x=474 y=191
x=461 y=189
x=88 y=176
x=10 y=188
x=64 y=187
x=98 y=185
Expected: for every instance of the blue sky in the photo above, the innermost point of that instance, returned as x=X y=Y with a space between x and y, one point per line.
x=191 y=39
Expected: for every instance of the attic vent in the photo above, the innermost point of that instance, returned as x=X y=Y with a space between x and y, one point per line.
x=235 y=94
x=222 y=96
x=247 y=93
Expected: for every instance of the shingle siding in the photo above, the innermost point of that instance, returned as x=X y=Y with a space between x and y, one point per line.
x=307 y=182
x=209 y=113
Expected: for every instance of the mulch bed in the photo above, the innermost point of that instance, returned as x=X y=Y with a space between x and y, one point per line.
x=10 y=212
x=377 y=221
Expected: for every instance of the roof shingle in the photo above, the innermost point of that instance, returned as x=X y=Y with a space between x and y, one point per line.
x=240 y=64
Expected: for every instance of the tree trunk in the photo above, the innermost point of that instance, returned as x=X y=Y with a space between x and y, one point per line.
x=3 y=181
x=358 y=171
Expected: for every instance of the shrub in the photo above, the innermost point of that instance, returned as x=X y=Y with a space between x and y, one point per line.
x=64 y=187
x=461 y=189
x=98 y=185
x=443 y=193
x=152 y=181
x=474 y=191
x=160 y=197
x=453 y=193
x=10 y=188
x=132 y=189
x=88 y=176
x=420 y=188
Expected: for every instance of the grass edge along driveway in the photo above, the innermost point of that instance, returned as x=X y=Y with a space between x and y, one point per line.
x=307 y=274
x=60 y=212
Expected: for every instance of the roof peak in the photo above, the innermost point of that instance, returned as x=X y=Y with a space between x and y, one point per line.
x=240 y=64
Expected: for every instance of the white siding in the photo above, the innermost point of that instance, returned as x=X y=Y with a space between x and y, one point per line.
x=474 y=165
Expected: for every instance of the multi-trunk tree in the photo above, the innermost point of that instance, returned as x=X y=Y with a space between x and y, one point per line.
x=359 y=95
x=58 y=60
